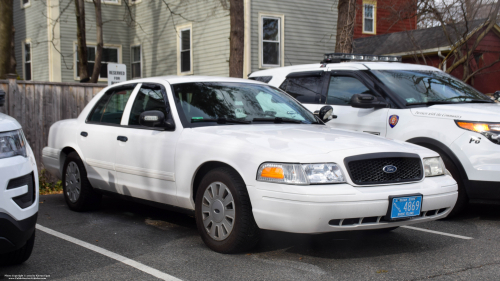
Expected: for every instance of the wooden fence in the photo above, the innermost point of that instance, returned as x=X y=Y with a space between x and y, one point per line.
x=38 y=105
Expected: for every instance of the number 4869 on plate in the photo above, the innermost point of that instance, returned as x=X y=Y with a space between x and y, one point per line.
x=405 y=207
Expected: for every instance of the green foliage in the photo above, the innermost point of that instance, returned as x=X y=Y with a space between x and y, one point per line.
x=48 y=186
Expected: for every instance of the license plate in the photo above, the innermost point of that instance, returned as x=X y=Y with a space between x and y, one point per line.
x=406 y=207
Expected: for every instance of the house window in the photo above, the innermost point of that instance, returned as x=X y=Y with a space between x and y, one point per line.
x=369 y=18
x=184 y=50
x=111 y=1
x=27 y=61
x=109 y=55
x=271 y=37
x=136 y=61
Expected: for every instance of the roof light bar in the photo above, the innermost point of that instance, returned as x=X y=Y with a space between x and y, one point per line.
x=342 y=57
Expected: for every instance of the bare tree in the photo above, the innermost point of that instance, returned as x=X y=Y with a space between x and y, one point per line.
x=82 y=40
x=345 y=26
x=98 y=53
x=6 y=25
x=13 y=62
x=236 y=37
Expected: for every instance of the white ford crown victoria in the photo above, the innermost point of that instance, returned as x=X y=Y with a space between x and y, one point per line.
x=242 y=156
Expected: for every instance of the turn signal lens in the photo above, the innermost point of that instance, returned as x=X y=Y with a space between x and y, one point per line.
x=273 y=173
x=476 y=127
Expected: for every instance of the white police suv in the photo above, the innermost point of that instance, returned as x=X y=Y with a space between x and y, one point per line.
x=413 y=103
x=242 y=156
x=18 y=192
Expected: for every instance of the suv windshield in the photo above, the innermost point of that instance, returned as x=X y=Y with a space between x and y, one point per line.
x=209 y=103
x=428 y=87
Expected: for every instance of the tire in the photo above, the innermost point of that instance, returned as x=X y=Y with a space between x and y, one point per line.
x=20 y=255
x=78 y=192
x=462 y=199
x=226 y=235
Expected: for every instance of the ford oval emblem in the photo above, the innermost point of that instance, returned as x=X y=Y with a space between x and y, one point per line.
x=390 y=169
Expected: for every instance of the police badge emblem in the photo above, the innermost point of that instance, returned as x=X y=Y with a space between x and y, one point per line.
x=393 y=120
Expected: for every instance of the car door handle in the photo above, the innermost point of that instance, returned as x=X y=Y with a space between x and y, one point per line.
x=84 y=134
x=122 y=138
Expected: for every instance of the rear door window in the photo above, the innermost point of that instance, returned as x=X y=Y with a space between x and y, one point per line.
x=109 y=109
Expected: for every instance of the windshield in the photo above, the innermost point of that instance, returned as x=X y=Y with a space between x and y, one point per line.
x=203 y=103
x=421 y=87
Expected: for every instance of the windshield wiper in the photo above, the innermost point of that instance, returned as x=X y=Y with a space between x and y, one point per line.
x=277 y=120
x=221 y=120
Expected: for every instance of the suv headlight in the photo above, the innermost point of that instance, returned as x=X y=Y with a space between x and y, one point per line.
x=12 y=144
x=490 y=130
x=304 y=174
x=434 y=166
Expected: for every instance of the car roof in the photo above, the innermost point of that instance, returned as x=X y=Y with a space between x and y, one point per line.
x=192 y=78
x=344 y=66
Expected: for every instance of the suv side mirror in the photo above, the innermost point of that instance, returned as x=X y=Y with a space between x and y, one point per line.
x=366 y=101
x=496 y=95
x=155 y=119
x=2 y=97
x=326 y=113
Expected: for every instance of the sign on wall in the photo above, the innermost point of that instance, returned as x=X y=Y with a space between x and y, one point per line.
x=116 y=73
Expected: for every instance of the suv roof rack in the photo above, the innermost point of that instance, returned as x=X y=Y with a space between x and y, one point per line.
x=344 y=57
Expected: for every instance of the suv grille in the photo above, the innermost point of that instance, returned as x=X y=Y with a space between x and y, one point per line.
x=369 y=169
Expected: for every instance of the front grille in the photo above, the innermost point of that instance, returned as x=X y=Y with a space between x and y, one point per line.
x=27 y=199
x=369 y=169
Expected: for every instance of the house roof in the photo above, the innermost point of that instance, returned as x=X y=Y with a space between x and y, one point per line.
x=413 y=40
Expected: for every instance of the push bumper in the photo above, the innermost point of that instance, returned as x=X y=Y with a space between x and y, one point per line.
x=14 y=234
x=342 y=207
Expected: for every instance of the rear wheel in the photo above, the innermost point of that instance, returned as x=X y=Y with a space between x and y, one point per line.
x=20 y=255
x=224 y=213
x=78 y=192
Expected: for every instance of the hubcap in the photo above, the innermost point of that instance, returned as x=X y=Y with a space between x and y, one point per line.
x=218 y=211
x=73 y=182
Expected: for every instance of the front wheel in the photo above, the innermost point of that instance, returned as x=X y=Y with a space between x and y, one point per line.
x=224 y=213
x=20 y=255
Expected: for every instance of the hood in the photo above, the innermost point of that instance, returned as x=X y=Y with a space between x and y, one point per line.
x=292 y=140
x=482 y=112
x=8 y=123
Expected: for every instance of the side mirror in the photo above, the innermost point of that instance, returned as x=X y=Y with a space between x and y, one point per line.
x=366 y=101
x=326 y=113
x=496 y=95
x=155 y=119
x=2 y=97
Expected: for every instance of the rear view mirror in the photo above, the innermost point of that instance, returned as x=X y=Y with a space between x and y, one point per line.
x=366 y=101
x=326 y=113
x=2 y=97
x=155 y=119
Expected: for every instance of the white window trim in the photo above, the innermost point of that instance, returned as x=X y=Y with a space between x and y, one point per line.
x=27 y=41
x=374 y=18
x=134 y=3
x=108 y=2
x=24 y=6
x=281 y=18
x=75 y=44
x=132 y=59
x=178 y=35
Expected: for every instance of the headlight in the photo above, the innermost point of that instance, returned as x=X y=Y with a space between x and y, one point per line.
x=434 y=166
x=304 y=174
x=12 y=144
x=490 y=130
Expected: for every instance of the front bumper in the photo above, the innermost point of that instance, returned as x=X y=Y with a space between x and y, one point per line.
x=342 y=207
x=13 y=233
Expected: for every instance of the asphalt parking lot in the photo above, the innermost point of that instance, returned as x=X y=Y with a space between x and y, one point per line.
x=130 y=241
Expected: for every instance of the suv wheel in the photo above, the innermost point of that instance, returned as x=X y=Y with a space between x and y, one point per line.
x=224 y=213
x=78 y=192
x=462 y=199
x=20 y=255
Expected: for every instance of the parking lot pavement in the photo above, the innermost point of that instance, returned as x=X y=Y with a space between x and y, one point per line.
x=169 y=243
